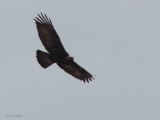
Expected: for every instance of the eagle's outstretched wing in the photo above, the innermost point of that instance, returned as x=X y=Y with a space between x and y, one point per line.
x=76 y=71
x=48 y=35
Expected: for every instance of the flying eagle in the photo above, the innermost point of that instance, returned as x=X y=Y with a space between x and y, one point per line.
x=56 y=52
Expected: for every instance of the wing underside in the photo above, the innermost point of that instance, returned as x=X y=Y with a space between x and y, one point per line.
x=48 y=35
x=76 y=71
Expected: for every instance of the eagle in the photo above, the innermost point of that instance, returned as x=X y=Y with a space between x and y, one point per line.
x=56 y=52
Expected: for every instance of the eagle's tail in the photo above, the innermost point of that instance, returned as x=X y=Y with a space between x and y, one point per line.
x=43 y=59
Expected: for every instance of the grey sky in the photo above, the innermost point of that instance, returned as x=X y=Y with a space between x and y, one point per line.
x=116 y=40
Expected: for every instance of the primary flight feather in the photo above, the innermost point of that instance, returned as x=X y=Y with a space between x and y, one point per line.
x=56 y=52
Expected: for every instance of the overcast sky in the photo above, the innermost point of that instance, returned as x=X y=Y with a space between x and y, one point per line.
x=115 y=40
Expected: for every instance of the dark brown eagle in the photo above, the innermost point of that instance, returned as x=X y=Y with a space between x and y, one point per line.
x=57 y=53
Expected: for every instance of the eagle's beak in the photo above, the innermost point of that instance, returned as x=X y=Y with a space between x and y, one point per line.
x=70 y=58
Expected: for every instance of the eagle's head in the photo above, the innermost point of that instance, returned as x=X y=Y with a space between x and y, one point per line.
x=70 y=58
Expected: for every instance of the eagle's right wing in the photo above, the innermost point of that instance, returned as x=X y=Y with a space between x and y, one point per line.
x=76 y=71
x=48 y=35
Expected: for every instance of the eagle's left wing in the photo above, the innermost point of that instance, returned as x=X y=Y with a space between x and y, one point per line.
x=48 y=35
x=76 y=71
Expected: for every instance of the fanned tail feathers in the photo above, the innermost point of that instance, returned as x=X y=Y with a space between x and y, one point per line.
x=43 y=58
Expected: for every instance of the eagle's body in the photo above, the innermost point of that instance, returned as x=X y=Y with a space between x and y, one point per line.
x=56 y=52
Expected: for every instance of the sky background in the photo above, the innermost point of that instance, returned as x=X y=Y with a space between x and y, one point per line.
x=115 y=40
